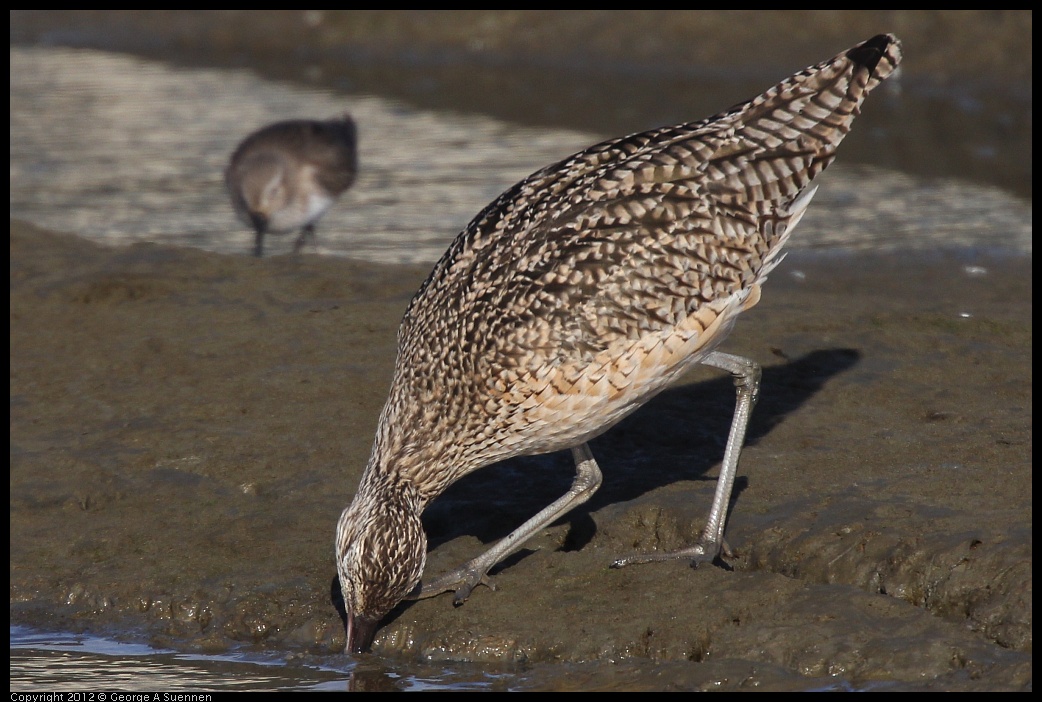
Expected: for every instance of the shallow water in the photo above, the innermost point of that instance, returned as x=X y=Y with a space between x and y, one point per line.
x=63 y=662
x=80 y=663
x=142 y=161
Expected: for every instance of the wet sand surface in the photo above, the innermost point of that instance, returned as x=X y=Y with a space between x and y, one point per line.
x=187 y=426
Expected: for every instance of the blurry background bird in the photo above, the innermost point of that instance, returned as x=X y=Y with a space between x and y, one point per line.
x=284 y=177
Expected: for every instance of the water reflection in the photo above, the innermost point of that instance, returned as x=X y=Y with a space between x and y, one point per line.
x=58 y=662
x=66 y=663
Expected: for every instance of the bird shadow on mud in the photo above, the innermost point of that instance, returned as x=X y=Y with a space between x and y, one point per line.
x=679 y=435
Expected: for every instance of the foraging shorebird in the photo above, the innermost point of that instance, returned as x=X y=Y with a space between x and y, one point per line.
x=572 y=300
x=284 y=177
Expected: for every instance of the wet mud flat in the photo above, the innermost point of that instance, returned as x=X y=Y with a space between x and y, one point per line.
x=186 y=428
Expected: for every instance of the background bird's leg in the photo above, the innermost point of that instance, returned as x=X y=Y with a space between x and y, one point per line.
x=464 y=579
x=258 y=243
x=711 y=543
x=308 y=232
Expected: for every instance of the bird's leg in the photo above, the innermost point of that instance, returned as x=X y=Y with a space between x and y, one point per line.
x=258 y=243
x=711 y=543
x=464 y=579
x=308 y=232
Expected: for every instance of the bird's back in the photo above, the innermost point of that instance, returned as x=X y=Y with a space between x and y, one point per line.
x=585 y=289
x=328 y=147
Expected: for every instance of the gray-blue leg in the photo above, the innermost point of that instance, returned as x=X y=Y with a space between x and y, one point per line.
x=711 y=543
x=464 y=579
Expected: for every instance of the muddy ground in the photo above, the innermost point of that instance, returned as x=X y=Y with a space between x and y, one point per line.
x=186 y=428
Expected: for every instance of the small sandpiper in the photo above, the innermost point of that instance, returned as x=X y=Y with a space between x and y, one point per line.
x=284 y=177
x=573 y=299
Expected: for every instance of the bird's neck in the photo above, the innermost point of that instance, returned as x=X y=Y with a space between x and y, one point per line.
x=381 y=484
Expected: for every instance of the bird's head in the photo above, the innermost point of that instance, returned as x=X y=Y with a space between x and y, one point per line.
x=380 y=553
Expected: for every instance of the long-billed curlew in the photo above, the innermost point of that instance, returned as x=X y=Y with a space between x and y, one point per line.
x=572 y=300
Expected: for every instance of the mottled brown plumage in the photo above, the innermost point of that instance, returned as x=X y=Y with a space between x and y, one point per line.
x=283 y=177
x=573 y=299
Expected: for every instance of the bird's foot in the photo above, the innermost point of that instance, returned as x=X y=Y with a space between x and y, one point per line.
x=462 y=581
x=705 y=551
